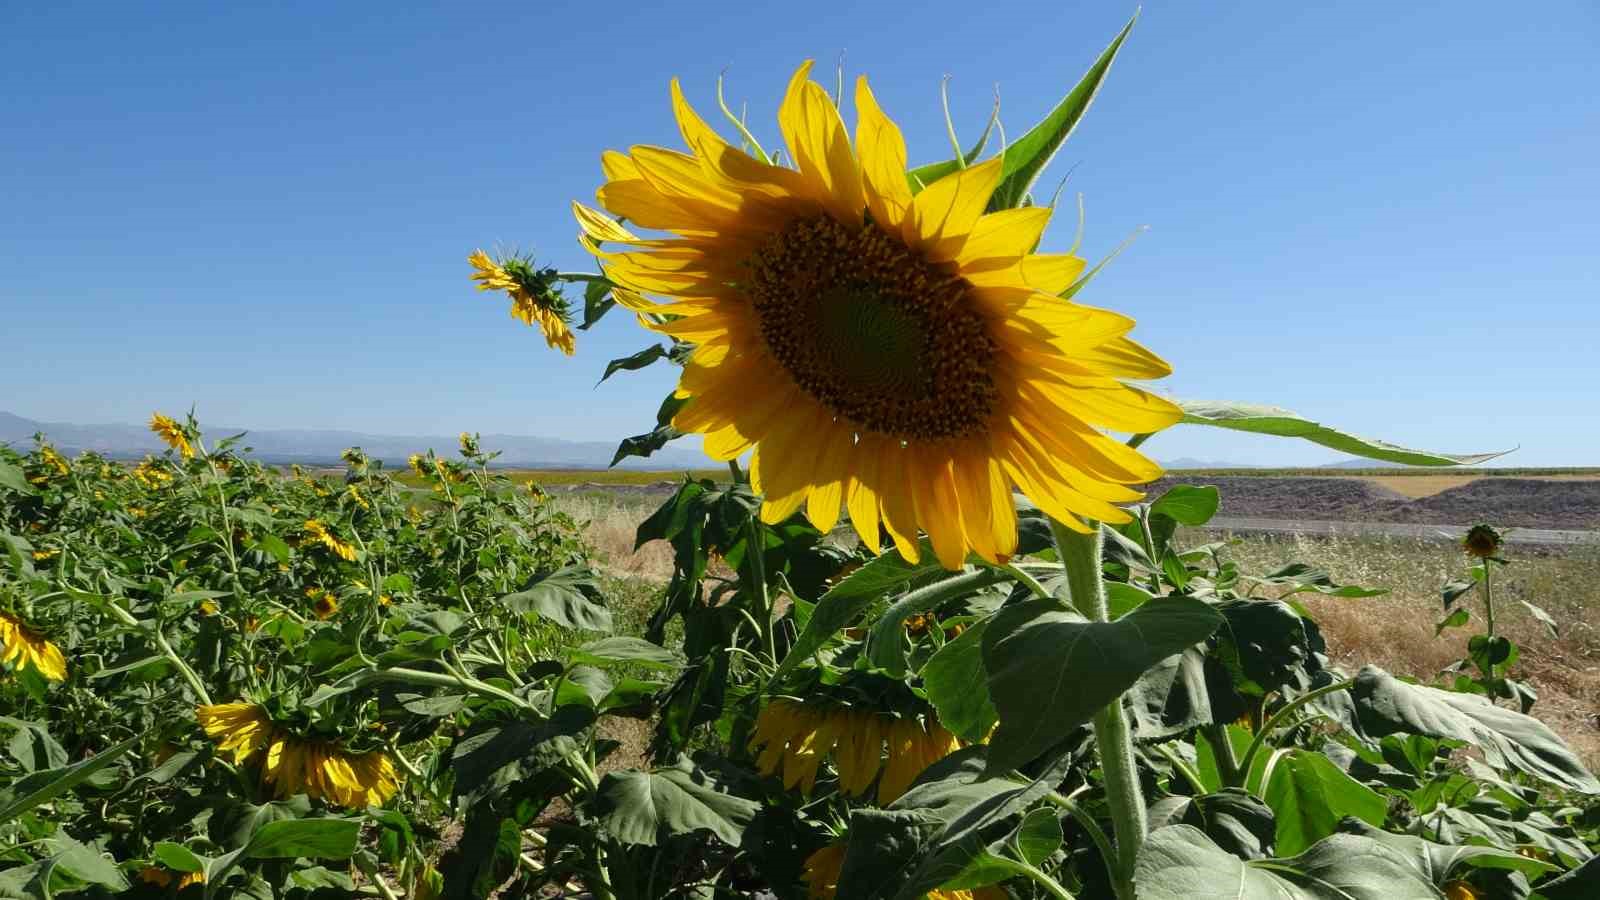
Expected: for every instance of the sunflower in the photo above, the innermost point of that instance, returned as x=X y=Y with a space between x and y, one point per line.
x=1459 y=890
x=533 y=299
x=323 y=602
x=792 y=739
x=162 y=878
x=54 y=460
x=1482 y=541
x=415 y=462
x=906 y=357
x=320 y=533
x=822 y=870
x=294 y=765
x=355 y=496
x=324 y=769
x=173 y=433
x=239 y=729
x=21 y=647
x=469 y=444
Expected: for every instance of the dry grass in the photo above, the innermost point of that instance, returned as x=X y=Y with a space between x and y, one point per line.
x=1415 y=486
x=609 y=522
x=1396 y=631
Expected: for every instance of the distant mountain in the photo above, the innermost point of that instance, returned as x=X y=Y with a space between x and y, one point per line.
x=1362 y=464
x=322 y=447
x=1189 y=462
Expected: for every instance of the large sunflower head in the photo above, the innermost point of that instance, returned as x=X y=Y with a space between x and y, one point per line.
x=903 y=355
x=534 y=298
x=22 y=648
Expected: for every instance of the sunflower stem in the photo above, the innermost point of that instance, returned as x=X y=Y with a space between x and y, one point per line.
x=756 y=573
x=1080 y=555
x=1277 y=719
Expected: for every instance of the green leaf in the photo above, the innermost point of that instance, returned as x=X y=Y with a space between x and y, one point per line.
x=314 y=838
x=635 y=361
x=636 y=807
x=177 y=857
x=1455 y=620
x=1506 y=738
x=40 y=787
x=642 y=445
x=957 y=684
x=1187 y=504
x=1232 y=817
x=1027 y=156
x=1179 y=862
x=851 y=596
x=83 y=864
x=569 y=597
x=1051 y=671
x=1443 y=862
x=1309 y=795
x=1038 y=836
x=1582 y=883
x=13 y=477
x=1544 y=618
x=1272 y=420
x=922 y=176
x=885 y=639
x=597 y=301
x=626 y=650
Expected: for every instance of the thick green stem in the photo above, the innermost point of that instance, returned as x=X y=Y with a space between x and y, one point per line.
x=755 y=545
x=154 y=630
x=1080 y=554
x=1277 y=719
x=1227 y=759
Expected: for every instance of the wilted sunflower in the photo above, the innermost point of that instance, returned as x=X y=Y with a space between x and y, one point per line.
x=793 y=738
x=320 y=533
x=1482 y=541
x=173 y=433
x=22 y=647
x=533 y=299
x=323 y=603
x=907 y=357
x=822 y=870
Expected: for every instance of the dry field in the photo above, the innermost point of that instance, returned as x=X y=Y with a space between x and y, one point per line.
x=1395 y=631
x=1415 y=486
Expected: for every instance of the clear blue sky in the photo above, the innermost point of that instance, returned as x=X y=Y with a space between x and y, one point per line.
x=1385 y=215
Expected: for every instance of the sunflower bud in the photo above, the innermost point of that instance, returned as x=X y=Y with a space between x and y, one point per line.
x=1482 y=541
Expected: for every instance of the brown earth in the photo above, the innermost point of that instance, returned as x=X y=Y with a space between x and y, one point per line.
x=1511 y=502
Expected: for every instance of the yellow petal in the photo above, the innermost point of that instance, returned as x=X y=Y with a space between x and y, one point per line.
x=883 y=160
x=827 y=479
x=820 y=146
x=860 y=498
x=939 y=509
x=947 y=210
x=1008 y=234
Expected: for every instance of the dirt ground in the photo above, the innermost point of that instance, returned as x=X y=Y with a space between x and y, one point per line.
x=1507 y=502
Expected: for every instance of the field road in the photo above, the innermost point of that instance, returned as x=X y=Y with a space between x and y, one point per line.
x=1544 y=537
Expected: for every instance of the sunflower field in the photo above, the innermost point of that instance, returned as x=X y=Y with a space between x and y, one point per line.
x=929 y=638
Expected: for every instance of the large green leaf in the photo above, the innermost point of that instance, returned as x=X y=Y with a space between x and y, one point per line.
x=1026 y=157
x=957 y=685
x=1179 y=862
x=639 y=651
x=1232 y=817
x=324 y=838
x=12 y=477
x=851 y=596
x=1309 y=795
x=642 y=445
x=636 y=807
x=1445 y=862
x=1582 y=883
x=885 y=639
x=568 y=597
x=1050 y=670
x=47 y=784
x=635 y=361
x=1272 y=420
x=1506 y=738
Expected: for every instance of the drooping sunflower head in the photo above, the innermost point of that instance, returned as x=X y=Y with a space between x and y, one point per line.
x=469 y=444
x=49 y=456
x=322 y=535
x=792 y=740
x=175 y=435
x=239 y=729
x=902 y=354
x=1482 y=541
x=324 y=769
x=323 y=603
x=23 y=648
x=534 y=297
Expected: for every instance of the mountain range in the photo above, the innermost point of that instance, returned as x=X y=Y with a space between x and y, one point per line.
x=322 y=447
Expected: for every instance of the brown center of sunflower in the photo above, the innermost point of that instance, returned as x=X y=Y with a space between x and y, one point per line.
x=877 y=334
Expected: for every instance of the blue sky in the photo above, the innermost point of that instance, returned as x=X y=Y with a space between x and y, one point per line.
x=1384 y=216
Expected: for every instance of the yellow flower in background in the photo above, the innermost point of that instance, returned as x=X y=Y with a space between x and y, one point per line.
x=173 y=433
x=320 y=533
x=21 y=647
x=239 y=729
x=533 y=301
x=907 y=358
x=1459 y=890
x=793 y=738
x=162 y=878
x=209 y=607
x=48 y=553
x=54 y=460
x=324 y=769
x=415 y=462
x=469 y=444
x=355 y=496
x=821 y=872
x=151 y=475
x=323 y=603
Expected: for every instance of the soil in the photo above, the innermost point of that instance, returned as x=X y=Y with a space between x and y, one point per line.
x=1506 y=502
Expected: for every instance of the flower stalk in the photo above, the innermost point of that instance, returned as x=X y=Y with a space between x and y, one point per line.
x=1080 y=555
